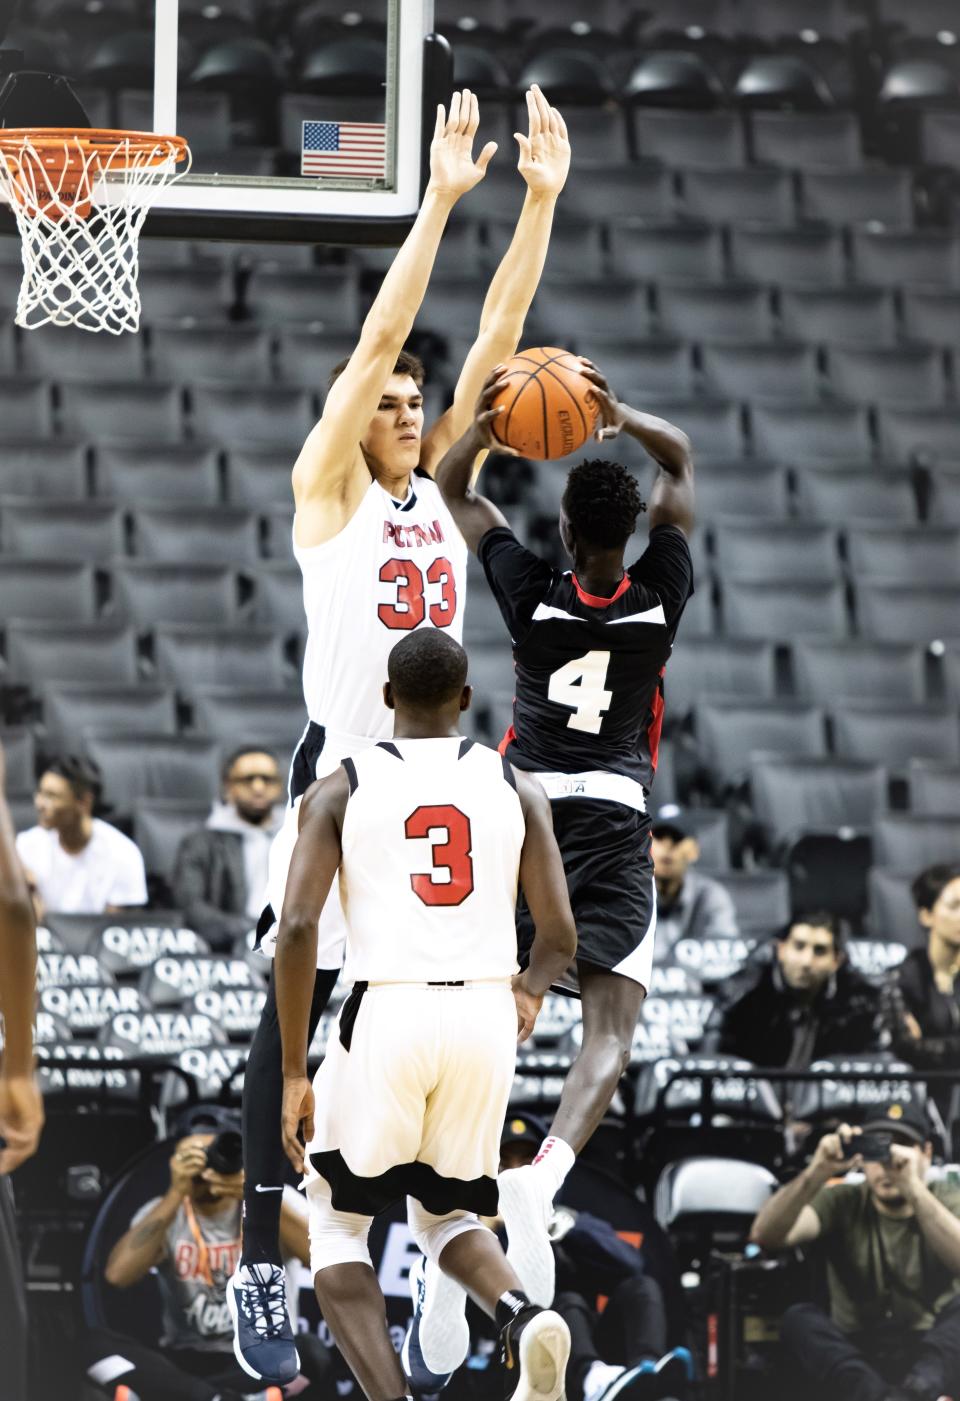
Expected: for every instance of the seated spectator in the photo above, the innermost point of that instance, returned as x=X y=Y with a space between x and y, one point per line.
x=795 y=1000
x=921 y=997
x=75 y=863
x=689 y=905
x=220 y=873
x=191 y=1238
x=892 y=1248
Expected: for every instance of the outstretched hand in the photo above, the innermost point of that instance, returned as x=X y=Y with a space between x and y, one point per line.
x=545 y=151
x=453 y=171
x=611 y=410
x=485 y=414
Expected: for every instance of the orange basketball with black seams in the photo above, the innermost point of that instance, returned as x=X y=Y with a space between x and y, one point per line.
x=550 y=408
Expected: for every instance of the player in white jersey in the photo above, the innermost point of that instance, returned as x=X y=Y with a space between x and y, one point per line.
x=431 y=834
x=380 y=557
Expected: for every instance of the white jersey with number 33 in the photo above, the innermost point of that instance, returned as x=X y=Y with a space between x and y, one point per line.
x=431 y=843
x=392 y=568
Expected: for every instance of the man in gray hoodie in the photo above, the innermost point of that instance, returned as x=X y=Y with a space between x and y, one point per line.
x=220 y=872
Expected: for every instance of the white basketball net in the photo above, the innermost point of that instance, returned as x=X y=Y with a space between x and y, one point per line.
x=81 y=257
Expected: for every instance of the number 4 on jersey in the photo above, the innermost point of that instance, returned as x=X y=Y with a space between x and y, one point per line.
x=581 y=685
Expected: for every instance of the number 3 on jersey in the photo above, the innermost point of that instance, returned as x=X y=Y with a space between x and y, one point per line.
x=453 y=855
x=411 y=605
x=581 y=685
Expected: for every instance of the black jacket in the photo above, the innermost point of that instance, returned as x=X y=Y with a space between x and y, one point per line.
x=210 y=885
x=757 y=1017
x=912 y=988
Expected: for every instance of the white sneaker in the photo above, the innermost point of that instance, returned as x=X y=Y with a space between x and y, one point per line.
x=438 y=1338
x=534 y=1351
x=526 y=1207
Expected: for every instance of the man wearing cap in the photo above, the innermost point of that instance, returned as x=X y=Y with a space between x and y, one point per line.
x=689 y=905
x=891 y=1243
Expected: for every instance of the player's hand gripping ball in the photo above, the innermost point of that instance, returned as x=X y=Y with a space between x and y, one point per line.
x=549 y=406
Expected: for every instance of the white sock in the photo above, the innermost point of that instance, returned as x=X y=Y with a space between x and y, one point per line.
x=599 y=1376
x=554 y=1160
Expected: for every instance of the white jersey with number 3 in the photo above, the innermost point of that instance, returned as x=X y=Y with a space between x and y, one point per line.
x=391 y=569
x=431 y=843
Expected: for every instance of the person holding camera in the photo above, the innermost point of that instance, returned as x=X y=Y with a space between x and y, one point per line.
x=191 y=1238
x=891 y=1244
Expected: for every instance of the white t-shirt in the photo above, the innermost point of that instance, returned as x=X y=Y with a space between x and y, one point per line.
x=108 y=871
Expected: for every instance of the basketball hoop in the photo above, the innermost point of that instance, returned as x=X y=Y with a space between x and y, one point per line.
x=80 y=199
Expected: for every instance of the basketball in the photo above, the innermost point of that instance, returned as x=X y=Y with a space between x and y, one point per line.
x=550 y=408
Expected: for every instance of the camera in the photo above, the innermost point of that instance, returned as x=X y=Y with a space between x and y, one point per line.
x=875 y=1147
x=225 y=1153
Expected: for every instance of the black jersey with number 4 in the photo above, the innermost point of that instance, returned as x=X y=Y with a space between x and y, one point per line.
x=589 y=685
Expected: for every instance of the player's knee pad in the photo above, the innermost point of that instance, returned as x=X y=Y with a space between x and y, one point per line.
x=336 y=1237
x=433 y=1233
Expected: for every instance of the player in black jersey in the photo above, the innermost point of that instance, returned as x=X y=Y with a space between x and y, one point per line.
x=590 y=646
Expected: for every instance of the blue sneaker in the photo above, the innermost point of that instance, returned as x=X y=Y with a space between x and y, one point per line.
x=262 y=1333
x=438 y=1337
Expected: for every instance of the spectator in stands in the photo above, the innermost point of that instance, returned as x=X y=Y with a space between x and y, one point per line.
x=921 y=997
x=891 y=1243
x=622 y=1351
x=689 y=905
x=191 y=1238
x=220 y=872
x=74 y=862
x=795 y=1000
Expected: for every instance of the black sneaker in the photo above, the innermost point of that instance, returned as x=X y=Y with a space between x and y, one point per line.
x=534 y=1348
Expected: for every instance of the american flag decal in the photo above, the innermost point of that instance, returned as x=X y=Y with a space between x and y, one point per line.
x=344 y=148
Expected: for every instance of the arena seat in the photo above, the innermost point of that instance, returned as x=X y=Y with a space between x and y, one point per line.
x=642 y=190
x=878 y=193
x=756 y=372
x=258 y=477
x=326 y=297
x=754 y=490
x=761 y=898
x=906 y=613
x=645 y=367
x=716 y=422
x=842 y=493
x=733 y=196
x=697 y=140
x=730 y=733
x=700 y=613
x=252 y=414
x=37 y=652
x=278 y=537
x=168 y=474
x=72 y=709
x=20 y=756
x=790 y=256
x=214 y=534
x=576 y=249
x=930 y=316
x=202 y=117
x=148 y=592
x=795 y=795
x=278 y=600
x=153 y=766
x=191 y=656
x=787 y=432
x=893 y=735
x=159 y=825
x=892 y=913
x=58 y=352
x=910 y=375
x=840 y=316
x=908 y=433
x=951 y=667
x=907 y=843
x=944 y=500
x=50 y=529
x=851 y=669
x=57 y=591
x=925 y=554
x=185 y=294
x=924 y=18
x=806 y=140
x=711 y=827
x=249 y=716
x=799 y=609
x=25 y=409
x=715 y=669
x=666 y=252
x=305 y=357
x=934 y=786
x=727 y=312
x=44 y=469
x=609 y=308
x=891 y=257
x=144 y=413
x=209 y=354
x=775 y=551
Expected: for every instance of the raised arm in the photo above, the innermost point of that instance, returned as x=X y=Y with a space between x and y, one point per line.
x=545 y=888
x=788 y=1219
x=313 y=867
x=21 y=1107
x=671 y=500
x=330 y=474
x=544 y=163
x=473 y=513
